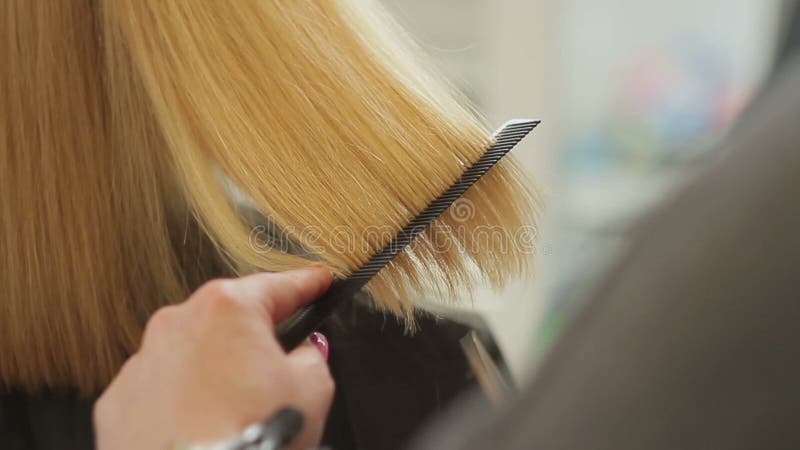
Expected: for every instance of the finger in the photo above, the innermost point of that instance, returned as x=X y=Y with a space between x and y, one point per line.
x=316 y=394
x=279 y=294
x=310 y=362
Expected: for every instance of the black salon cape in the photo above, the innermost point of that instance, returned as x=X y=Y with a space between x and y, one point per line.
x=387 y=384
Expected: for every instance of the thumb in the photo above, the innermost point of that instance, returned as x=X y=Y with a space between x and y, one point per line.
x=279 y=294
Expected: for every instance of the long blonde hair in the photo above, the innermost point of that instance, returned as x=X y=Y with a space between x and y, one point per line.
x=137 y=134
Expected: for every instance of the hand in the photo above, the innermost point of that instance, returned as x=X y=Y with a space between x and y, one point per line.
x=211 y=366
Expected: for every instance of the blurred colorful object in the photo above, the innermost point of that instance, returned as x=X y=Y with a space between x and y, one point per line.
x=670 y=105
x=649 y=89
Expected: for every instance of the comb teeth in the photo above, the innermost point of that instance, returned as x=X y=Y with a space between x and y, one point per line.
x=504 y=139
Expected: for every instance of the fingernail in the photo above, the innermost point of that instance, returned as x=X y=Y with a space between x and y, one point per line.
x=321 y=342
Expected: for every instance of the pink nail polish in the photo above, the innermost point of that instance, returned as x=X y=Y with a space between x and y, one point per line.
x=321 y=342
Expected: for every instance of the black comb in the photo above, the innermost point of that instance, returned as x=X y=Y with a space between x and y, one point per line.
x=299 y=326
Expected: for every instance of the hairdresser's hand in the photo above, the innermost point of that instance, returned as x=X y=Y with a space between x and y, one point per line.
x=210 y=366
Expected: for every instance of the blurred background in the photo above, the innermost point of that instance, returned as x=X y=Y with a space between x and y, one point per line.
x=633 y=96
